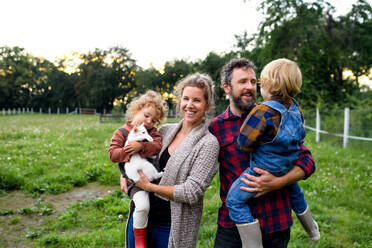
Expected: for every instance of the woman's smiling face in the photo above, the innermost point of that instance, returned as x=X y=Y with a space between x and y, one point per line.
x=193 y=105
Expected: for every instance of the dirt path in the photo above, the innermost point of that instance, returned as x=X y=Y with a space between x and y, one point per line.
x=13 y=228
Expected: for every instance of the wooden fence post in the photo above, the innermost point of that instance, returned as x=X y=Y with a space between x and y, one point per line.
x=346 y=125
x=317 y=134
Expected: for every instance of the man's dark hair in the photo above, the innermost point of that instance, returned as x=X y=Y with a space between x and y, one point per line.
x=227 y=69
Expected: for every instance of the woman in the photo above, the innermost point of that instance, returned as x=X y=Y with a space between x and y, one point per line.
x=189 y=156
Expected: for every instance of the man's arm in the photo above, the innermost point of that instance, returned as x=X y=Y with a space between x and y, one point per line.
x=266 y=182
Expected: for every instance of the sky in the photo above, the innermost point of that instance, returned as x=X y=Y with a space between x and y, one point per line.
x=154 y=31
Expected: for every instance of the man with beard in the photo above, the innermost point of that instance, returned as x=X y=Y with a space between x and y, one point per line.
x=271 y=206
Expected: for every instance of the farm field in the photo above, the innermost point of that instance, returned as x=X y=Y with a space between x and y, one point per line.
x=59 y=189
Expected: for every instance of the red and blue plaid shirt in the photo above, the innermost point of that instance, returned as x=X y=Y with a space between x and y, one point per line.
x=272 y=209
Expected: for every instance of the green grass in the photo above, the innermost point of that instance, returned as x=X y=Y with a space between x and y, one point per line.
x=50 y=154
x=54 y=153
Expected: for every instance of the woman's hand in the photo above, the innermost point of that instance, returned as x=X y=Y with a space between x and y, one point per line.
x=143 y=182
x=262 y=184
x=123 y=184
x=133 y=147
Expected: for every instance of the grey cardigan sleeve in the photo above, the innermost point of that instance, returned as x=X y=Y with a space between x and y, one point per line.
x=204 y=168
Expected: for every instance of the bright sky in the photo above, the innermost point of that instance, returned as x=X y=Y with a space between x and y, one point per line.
x=154 y=31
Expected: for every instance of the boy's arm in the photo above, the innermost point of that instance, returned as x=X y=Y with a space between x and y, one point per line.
x=151 y=148
x=251 y=130
x=266 y=182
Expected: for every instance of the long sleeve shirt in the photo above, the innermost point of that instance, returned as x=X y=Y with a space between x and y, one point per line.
x=261 y=125
x=116 y=150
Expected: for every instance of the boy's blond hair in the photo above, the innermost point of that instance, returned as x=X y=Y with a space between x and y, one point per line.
x=149 y=99
x=281 y=77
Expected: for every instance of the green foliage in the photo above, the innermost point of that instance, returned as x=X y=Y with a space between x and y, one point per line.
x=7 y=212
x=339 y=193
x=322 y=45
x=10 y=178
x=356 y=42
x=15 y=220
x=33 y=235
x=212 y=65
x=45 y=154
x=99 y=83
x=308 y=32
x=17 y=76
x=26 y=80
x=90 y=223
x=41 y=207
x=102 y=77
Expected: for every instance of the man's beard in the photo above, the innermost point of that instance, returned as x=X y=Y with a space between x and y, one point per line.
x=245 y=107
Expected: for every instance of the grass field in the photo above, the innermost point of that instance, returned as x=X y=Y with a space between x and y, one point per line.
x=42 y=155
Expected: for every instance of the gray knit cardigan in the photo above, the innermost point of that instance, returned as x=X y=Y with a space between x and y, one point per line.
x=190 y=169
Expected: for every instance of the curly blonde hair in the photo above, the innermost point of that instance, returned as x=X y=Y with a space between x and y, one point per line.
x=281 y=77
x=149 y=99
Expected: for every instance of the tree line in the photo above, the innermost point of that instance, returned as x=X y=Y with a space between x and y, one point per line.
x=323 y=45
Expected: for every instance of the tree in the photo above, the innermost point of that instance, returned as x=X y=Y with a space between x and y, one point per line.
x=28 y=81
x=172 y=73
x=17 y=77
x=99 y=83
x=212 y=65
x=308 y=33
x=355 y=29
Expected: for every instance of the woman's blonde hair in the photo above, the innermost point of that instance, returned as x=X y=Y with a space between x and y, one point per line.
x=281 y=77
x=149 y=99
x=201 y=81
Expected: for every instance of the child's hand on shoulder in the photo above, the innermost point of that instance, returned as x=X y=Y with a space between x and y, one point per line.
x=133 y=147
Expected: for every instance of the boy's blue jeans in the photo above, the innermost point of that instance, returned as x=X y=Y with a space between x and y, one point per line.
x=237 y=199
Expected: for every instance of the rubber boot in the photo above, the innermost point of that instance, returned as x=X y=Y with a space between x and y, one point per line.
x=140 y=237
x=250 y=234
x=309 y=224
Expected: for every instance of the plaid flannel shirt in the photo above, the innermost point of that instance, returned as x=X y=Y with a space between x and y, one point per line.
x=261 y=125
x=272 y=209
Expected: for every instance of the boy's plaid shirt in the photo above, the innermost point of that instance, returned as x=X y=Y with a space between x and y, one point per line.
x=261 y=125
x=272 y=209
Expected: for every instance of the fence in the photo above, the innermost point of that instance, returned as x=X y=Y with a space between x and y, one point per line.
x=15 y=111
x=356 y=126
x=111 y=118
